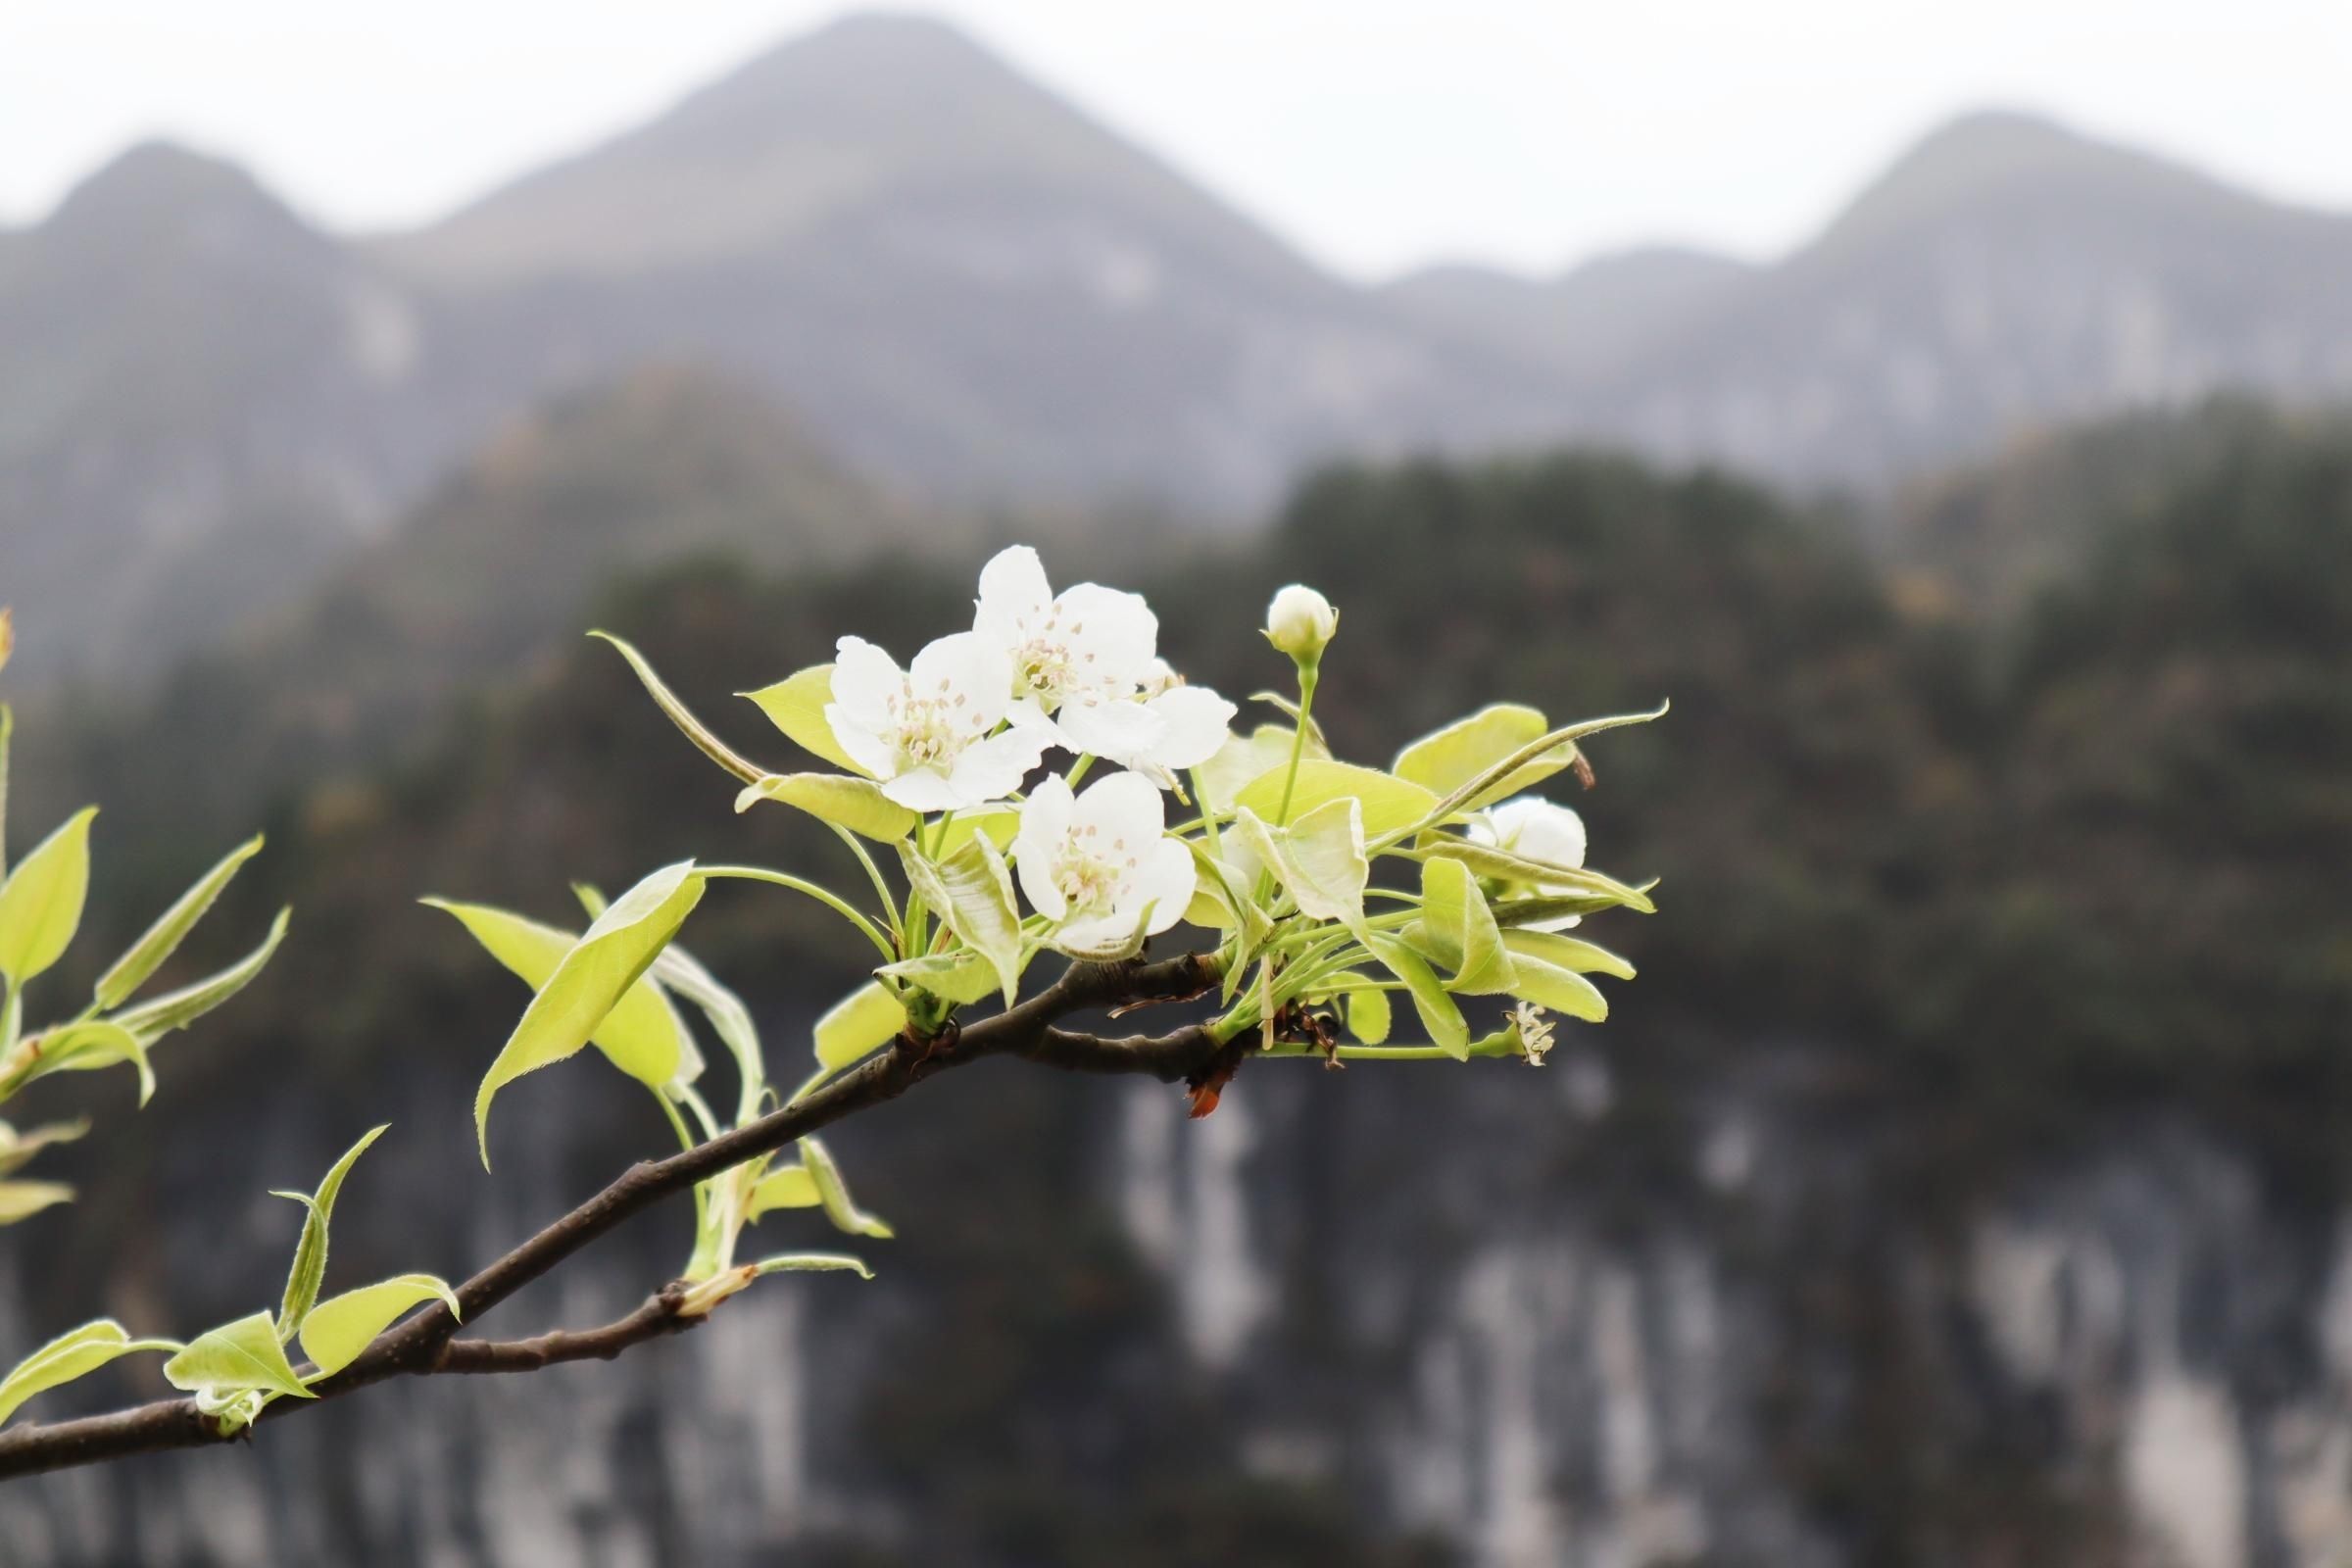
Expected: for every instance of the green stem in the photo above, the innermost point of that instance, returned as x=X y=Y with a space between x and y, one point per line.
x=873 y=875
x=1307 y=681
x=1078 y=769
x=824 y=896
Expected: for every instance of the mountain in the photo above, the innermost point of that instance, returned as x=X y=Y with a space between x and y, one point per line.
x=1589 y=320
x=203 y=401
x=956 y=275
x=2005 y=275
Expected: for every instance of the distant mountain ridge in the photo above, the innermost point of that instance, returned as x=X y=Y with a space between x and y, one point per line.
x=978 y=295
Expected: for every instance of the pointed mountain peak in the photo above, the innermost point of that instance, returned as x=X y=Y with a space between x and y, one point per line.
x=1993 y=155
x=155 y=191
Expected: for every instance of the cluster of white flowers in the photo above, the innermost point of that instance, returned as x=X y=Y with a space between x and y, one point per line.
x=977 y=713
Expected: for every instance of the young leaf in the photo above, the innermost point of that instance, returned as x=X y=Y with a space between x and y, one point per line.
x=1549 y=986
x=997 y=823
x=18 y=1148
x=1319 y=857
x=732 y=1281
x=234 y=1357
x=1243 y=758
x=309 y=1269
x=86 y=1048
x=971 y=892
x=340 y=1327
x=640 y=1035
x=859 y=1023
x=163 y=939
x=857 y=804
x=1367 y=1014
x=1466 y=748
x=730 y=1018
x=679 y=715
x=619 y=947
x=1389 y=802
x=1547 y=908
x=810 y=1262
x=1572 y=953
x=71 y=1356
x=1518 y=871
x=1457 y=929
x=961 y=978
x=1439 y=1014
x=796 y=707
x=1529 y=765
x=40 y=902
x=152 y=1020
x=24 y=1200
x=834 y=1195
x=792 y=1187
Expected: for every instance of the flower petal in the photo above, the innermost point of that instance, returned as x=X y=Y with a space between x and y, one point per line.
x=1045 y=828
x=1113 y=634
x=996 y=766
x=866 y=681
x=971 y=672
x=1193 y=721
x=926 y=789
x=866 y=749
x=1123 y=807
x=1165 y=881
x=1119 y=731
x=1013 y=595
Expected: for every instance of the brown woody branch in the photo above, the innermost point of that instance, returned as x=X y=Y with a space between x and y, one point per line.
x=426 y=1344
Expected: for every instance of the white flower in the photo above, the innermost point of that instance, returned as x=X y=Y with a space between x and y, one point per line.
x=1082 y=655
x=1084 y=671
x=1301 y=622
x=925 y=733
x=1093 y=863
x=1537 y=829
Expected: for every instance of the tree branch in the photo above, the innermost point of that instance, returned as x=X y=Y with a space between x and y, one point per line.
x=426 y=1344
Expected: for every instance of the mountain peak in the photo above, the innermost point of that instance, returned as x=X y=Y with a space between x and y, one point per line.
x=155 y=190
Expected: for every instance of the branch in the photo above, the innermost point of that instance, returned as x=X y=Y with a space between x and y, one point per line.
x=426 y=1344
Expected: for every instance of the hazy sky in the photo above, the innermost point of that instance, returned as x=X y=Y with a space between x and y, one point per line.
x=1374 y=133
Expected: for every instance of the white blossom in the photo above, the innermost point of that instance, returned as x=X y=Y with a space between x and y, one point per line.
x=1084 y=670
x=930 y=733
x=1094 y=863
x=1537 y=829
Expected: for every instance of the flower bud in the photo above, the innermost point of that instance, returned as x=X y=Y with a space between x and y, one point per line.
x=1300 y=621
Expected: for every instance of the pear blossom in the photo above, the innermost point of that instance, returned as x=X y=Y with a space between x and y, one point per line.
x=929 y=733
x=1101 y=864
x=1537 y=829
x=1085 y=672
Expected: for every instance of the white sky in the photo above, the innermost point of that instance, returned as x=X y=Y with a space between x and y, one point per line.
x=1376 y=134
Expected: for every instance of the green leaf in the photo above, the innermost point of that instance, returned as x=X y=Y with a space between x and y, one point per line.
x=833 y=1194
x=309 y=1269
x=999 y=824
x=1529 y=765
x=163 y=939
x=1457 y=929
x=152 y=1020
x=1319 y=857
x=792 y=1187
x=796 y=707
x=971 y=892
x=1452 y=757
x=1517 y=870
x=616 y=950
x=640 y=1035
x=810 y=1262
x=961 y=978
x=40 y=902
x=1316 y=745
x=1367 y=1014
x=1389 y=802
x=857 y=804
x=16 y=1149
x=1439 y=1016
x=1572 y=953
x=234 y=1357
x=677 y=970
x=24 y=1200
x=1549 y=986
x=1553 y=906
x=1243 y=758
x=858 y=1024
x=693 y=729
x=88 y=1048
x=340 y=1327
x=72 y=1355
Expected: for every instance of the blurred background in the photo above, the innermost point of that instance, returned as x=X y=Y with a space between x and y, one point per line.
x=1950 y=416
